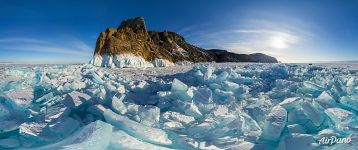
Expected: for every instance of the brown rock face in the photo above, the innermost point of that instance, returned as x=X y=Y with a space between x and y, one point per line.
x=133 y=37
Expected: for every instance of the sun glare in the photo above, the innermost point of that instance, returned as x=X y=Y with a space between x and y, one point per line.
x=278 y=42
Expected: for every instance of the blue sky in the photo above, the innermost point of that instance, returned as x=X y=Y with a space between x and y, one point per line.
x=293 y=31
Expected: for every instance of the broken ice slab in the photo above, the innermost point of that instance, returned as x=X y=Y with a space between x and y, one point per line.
x=118 y=105
x=350 y=102
x=64 y=127
x=121 y=89
x=222 y=76
x=218 y=133
x=339 y=115
x=206 y=145
x=186 y=95
x=97 y=110
x=203 y=95
x=210 y=129
x=164 y=101
x=4 y=112
x=242 y=145
x=214 y=86
x=296 y=128
x=20 y=98
x=96 y=78
x=296 y=141
x=198 y=74
x=138 y=86
x=326 y=100
x=259 y=108
x=343 y=119
x=178 y=86
x=183 y=95
x=7 y=127
x=291 y=103
x=93 y=136
x=101 y=95
x=10 y=143
x=149 y=115
x=246 y=126
x=220 y=111
x=34 y=134
x=145 y=114
x=312 y=113
x=312 y=88
x=75 y=99
x=192 y=110
x=326 y=133
x=51 y=102
x=121 y=140
x=241 y=92
x=208 y=72
x=298 y=116
x=71 y=86
x=274 y=123
x=77 y=85
x=110 y=87
x=175 y=116
x=227 y=142
x=188 y=108
x=223 y=94
x=201 y=130
x=137 y=130
x=44 y=98
x=41 y=90
x=229 y=86
x=215 y=122
x=174 y=126
x=56 y=112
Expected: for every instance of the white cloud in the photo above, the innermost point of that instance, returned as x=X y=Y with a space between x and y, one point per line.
x=256 y=36
x=73 y=47
x=21 y=40
x=272 y=39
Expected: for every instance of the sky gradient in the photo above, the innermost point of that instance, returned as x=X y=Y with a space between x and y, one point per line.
x=293 y=31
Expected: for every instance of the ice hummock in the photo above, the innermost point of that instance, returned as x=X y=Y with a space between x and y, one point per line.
x=128 y=61
x=200 y=106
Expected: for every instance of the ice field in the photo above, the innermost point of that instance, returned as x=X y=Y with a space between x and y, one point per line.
x=199 y=106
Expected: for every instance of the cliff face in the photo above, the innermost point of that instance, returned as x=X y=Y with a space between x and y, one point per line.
x=132 y=37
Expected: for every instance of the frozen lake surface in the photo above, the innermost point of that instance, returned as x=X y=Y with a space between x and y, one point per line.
x=199 y=106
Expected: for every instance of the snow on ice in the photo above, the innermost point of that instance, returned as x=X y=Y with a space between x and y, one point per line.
x=193 y=106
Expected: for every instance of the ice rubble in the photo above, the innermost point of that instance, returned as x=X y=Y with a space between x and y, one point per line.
x=129 y=60
x=253 y=106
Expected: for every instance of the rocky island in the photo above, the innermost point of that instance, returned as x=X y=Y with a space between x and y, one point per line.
x=132 y=45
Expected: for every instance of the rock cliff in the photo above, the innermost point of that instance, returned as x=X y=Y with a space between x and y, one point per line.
x=131 y=45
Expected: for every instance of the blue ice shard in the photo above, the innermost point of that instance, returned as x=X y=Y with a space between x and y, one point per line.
x=135 y=129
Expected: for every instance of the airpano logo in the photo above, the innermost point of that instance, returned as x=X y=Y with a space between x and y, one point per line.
x=334 y=140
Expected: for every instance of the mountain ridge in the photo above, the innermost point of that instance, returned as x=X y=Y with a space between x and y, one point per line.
x=132 y=37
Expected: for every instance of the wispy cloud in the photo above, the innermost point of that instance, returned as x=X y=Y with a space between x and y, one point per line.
x=253 y=36
x=72 y=47
x=14 y=40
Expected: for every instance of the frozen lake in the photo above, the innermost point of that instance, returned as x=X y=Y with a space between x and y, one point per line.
x=199 y=106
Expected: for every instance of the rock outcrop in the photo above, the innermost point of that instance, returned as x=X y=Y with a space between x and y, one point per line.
x=225 y=56
x=131 y=45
